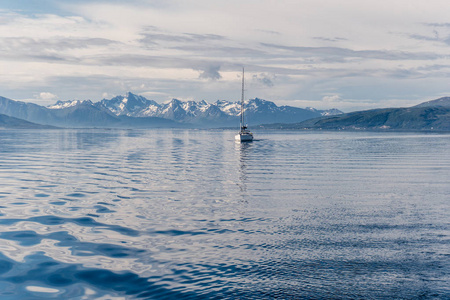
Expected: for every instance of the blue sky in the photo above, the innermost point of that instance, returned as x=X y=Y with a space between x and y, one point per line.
x=322 y=53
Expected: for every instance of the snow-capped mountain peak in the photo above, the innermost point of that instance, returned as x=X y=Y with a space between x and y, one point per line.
x=129 y=105
x=229 y=108
x=220 y=113
x=326 y=112
x=69 y=103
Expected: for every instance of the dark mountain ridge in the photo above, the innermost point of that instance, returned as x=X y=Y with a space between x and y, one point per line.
x=428 y=116
x=444 y=102
x=24 y=110
x=7 y=122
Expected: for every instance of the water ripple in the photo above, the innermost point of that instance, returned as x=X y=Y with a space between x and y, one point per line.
x=190 y=214
x=85 y=221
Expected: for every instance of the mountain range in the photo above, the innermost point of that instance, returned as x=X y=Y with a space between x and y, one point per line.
x=220 y=113
x=7 y=122
x=430 y=116
x=136 y=111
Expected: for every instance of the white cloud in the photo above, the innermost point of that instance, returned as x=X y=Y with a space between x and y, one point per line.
x=47 y=96
x=43 y=98
x=293 y=49
x=332 y=99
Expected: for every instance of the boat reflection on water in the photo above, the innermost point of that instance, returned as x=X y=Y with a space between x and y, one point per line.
x=244 y=151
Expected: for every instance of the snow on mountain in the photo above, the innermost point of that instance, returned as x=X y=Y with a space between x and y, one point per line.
x=220 y=113
x=172 y=110
x=194 y=108
x=229 y=108
x=327 y=112
x=70 y=103
x=256 y=105
x=151 y=110
x=129 y=105
x=330 y=112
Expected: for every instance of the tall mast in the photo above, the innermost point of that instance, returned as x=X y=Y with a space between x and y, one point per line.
x=242 y=100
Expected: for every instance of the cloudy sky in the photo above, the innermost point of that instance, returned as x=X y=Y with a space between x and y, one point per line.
x=348 y=54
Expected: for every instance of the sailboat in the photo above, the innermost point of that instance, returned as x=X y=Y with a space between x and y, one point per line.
x=244 y=134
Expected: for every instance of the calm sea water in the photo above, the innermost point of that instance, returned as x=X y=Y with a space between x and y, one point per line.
x=186 y=214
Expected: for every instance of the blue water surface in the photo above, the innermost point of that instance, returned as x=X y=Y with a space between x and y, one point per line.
x=190 y=214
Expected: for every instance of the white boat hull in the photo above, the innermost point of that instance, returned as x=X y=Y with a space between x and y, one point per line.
x=244 y=137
